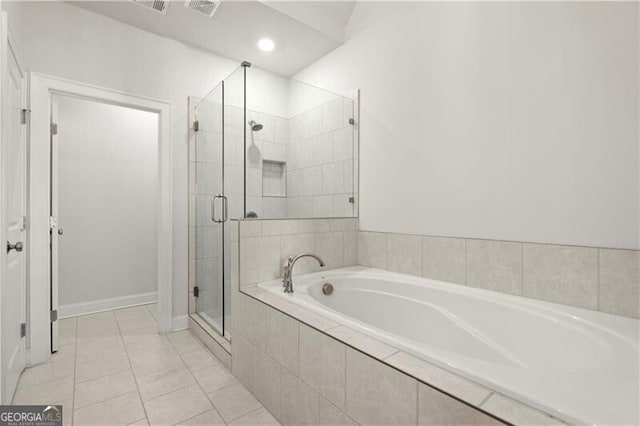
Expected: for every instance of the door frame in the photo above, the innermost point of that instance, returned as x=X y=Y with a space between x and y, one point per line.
x=41 y=88
x=9 y=50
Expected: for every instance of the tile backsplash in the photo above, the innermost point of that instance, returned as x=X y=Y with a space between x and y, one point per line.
x=265 y=245
x=601 y=279
x=593 y=278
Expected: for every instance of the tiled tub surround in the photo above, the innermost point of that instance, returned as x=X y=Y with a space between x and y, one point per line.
x=516 y=345
x=601 y=279
x=272 y=340
x=285 y=355
x=265 y=245
x=307 y=369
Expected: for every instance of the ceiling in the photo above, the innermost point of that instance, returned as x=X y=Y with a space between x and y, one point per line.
x=303 y=31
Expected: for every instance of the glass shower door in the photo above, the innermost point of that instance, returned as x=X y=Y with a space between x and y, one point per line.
x=211 y=209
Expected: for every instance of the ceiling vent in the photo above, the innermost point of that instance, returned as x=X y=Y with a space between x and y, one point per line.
x=206 y=7
x=159 y=6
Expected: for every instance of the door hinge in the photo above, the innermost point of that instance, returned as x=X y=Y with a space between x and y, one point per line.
x=53 y=222
x=53 y=127
x=196 y=126
x=26 y=113
x=196 y=291
x=23 y=329
x=54 y=315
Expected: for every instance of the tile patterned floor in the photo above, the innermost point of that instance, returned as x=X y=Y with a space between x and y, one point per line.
x=113 y=368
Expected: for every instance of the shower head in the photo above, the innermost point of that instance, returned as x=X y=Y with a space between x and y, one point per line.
x=255 y=127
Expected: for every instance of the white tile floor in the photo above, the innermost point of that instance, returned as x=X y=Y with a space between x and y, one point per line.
x=113 y=368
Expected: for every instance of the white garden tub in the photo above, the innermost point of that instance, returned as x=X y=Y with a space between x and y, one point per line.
x=579 y=365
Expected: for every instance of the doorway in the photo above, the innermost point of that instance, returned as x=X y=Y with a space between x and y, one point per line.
x=104 y=195
x=89 y=164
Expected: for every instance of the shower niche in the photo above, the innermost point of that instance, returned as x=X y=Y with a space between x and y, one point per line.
x=262 y=146
x=274 y=179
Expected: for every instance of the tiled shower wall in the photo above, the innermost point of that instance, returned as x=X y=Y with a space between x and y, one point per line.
x=268 y=144
x=601 y=279
x=316 y=152
x=320 y=161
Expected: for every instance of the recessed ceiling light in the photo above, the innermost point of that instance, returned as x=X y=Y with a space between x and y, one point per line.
x=266 y=44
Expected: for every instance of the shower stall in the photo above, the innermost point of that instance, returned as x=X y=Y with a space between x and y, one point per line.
x=262 y=146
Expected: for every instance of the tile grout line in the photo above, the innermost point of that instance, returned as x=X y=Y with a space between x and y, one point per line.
x=345 y=351
x=197 y=382
x=249 y=412
x=45 y=382
x=126 y=351
x=108 y=399
x=486 y=398
x=102 y=376
x=521 y=269
x=598 y=283
x=75 y=361
x=397 y=351
x=417 y=401
x=466 y=263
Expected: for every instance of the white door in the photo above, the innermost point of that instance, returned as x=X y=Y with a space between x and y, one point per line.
x=13 y=196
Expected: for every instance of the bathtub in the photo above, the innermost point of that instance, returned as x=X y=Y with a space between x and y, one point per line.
x=578 y=365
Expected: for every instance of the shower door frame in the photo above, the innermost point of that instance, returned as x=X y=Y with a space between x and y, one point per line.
x=194 y=127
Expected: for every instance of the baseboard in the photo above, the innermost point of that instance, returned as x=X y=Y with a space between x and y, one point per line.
x=180 y=322
x=95 y=306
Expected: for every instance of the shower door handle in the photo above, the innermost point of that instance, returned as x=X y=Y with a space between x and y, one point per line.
x=225 y=211
x=225 y=208
x=213 y=208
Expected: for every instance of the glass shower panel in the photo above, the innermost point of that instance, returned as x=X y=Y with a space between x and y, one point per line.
x=233 y=171
x=211 y=209
x=301 y=149
x=322 y=153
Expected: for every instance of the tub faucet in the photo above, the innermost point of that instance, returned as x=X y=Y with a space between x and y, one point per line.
x=287 y=279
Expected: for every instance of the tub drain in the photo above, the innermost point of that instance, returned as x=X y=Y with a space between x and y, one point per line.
x=327 y=288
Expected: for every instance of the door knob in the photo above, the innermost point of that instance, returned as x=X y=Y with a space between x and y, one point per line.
x=60 y=231
x=17 y=247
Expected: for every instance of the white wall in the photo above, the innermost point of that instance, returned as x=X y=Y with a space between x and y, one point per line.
x=107 y=194
x=63 y=40
x=514 y=121
x=304 y=98
x=267 y=91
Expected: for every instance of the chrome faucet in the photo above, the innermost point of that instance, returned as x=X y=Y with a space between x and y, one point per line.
x=287 y=279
